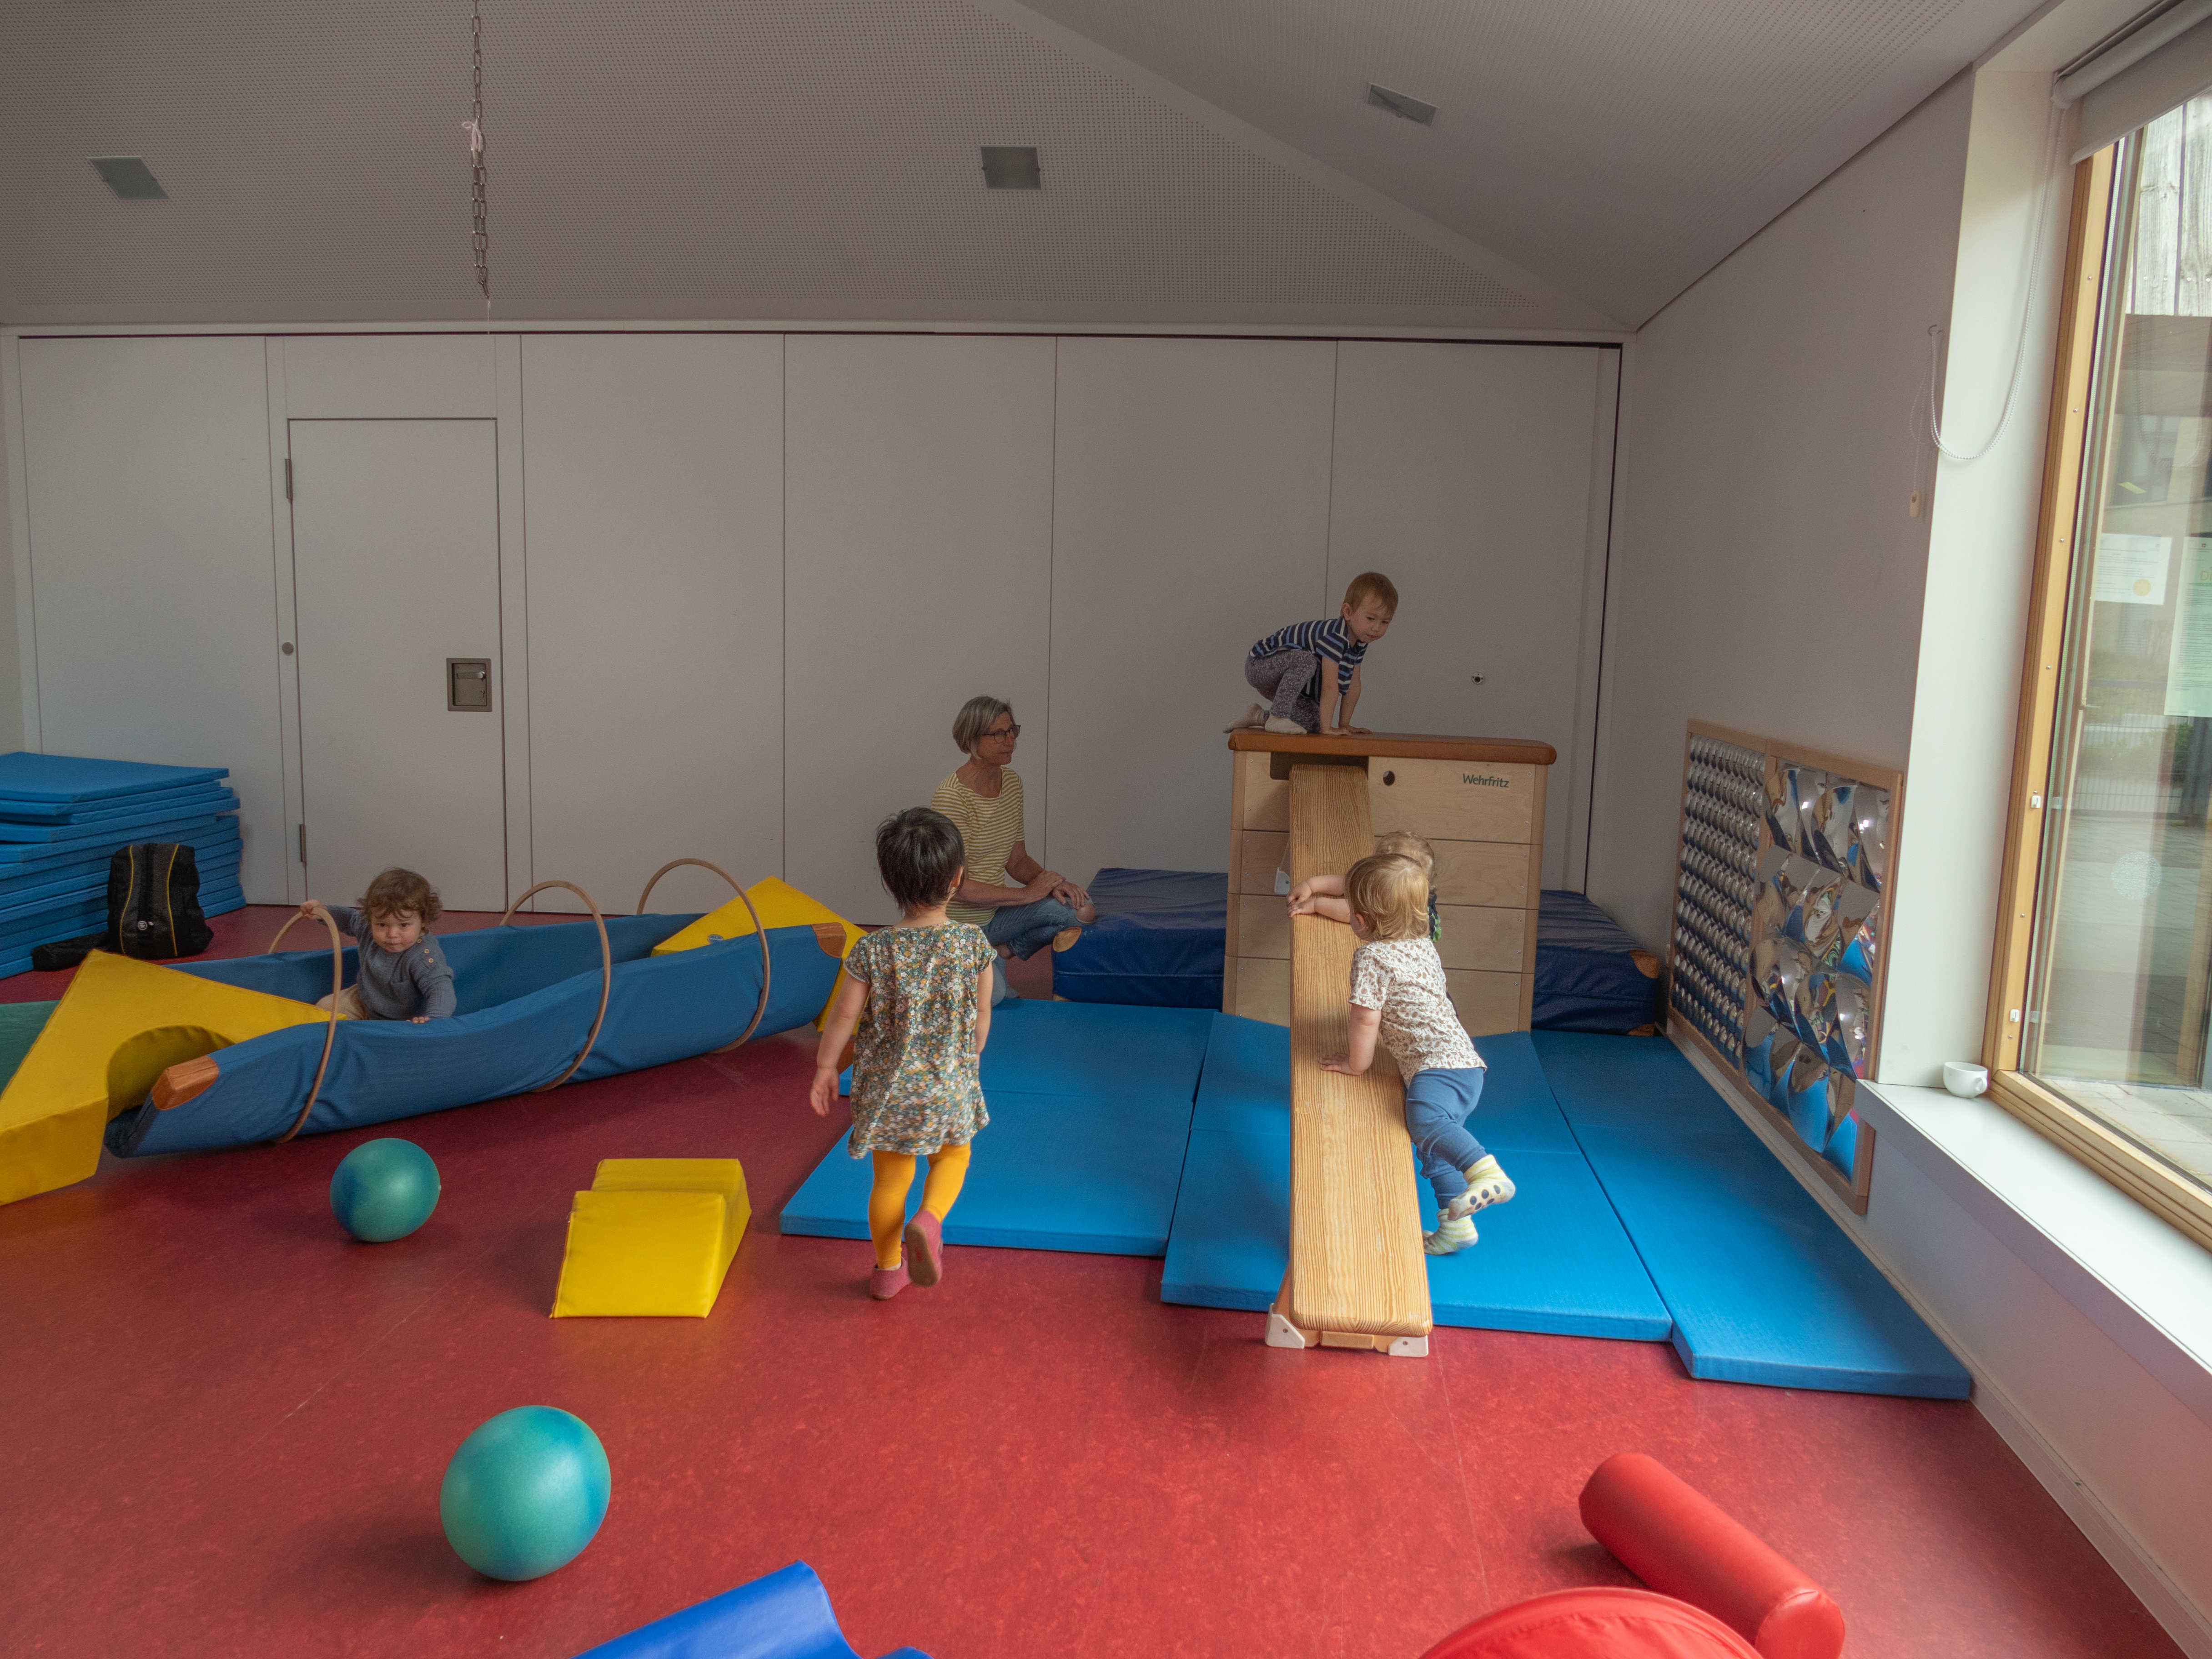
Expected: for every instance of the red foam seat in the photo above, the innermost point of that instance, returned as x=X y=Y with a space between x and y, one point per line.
x=1600 y=1622
x=1682 y=1544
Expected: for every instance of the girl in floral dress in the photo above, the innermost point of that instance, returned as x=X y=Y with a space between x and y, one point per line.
x=919 y=993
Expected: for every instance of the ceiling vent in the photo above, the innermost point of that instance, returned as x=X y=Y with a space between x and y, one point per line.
x=1399 y=103
x=1010 y=166
x=130 y=178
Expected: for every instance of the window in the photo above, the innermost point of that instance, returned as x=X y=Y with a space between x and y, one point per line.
x=2098 y=1026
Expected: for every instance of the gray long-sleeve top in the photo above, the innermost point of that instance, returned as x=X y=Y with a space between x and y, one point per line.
x=417 y=980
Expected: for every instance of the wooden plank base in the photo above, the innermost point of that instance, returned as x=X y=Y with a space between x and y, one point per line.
x=1357 y=1277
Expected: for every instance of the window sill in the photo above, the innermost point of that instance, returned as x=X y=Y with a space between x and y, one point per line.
x=2145 y=1284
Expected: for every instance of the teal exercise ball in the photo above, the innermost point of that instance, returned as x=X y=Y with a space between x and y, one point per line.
x=384 y=1189
x=525 y=1493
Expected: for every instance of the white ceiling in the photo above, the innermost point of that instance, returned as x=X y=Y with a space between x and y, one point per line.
x=1204 y=160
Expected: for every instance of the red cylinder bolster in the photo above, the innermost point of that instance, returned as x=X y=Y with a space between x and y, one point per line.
x=1597 y=1622
x=1682 y=1544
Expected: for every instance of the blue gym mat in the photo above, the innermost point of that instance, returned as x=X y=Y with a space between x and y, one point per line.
x=1587 y=979
x=1246 y=1089
x=1763 y=1285
x=1079 y=1048
x=65 y=778
x=1554 y=1260
x=1159 y=941
x=1093 y=1173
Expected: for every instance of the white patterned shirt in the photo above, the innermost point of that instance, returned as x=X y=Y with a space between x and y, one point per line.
x=1405 y=979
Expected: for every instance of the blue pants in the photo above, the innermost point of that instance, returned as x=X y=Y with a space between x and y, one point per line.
x=1437 y=1106
x=1026 y=929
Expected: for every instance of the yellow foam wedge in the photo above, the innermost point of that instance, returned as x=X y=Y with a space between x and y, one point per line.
x=118 y=1026
x=653 y=1238
x=780 y=905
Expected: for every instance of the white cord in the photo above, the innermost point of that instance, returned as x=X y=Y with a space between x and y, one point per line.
x=2032 y=261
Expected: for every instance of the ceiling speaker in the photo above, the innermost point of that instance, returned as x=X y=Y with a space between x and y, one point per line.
x=1010 y=166
x=130 y=178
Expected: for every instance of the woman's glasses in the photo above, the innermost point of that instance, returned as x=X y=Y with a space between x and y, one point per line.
x=1004 y=731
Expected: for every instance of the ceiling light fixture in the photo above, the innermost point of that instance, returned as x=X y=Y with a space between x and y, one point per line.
x=1401 y=104
x=130 y=178
x=1010 y=166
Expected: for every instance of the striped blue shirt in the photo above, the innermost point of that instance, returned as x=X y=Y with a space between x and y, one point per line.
x=1327 y=638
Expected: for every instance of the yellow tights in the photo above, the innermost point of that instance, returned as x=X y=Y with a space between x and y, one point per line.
x=948 y=1167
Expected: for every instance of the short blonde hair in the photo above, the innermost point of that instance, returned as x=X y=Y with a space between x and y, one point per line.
x=1400 y=844
x=1389 y=892
x=1372 y=585
x=975 y=719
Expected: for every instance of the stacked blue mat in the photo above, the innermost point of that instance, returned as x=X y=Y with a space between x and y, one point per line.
x=1590 y=975
x=62 y=815
x=1158 y=942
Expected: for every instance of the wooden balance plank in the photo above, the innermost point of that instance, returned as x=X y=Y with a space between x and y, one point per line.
x=1356 y=1278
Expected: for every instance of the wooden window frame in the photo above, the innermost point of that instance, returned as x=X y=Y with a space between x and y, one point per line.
x=2168 y=1195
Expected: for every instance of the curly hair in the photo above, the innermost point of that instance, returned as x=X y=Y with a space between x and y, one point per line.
x=398 y=891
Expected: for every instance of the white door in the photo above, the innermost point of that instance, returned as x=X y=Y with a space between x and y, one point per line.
x=395 y=552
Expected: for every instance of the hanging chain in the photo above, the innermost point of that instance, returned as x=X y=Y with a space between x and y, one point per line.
x=481 y=239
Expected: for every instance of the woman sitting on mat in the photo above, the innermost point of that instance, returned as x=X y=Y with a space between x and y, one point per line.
x=983 y=798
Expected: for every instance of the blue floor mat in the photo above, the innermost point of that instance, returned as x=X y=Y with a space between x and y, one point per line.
x=1245 y=1089
x=1093 y=1173
x=1063 y=1047
x=1555 y=1260
x=1763 y=1285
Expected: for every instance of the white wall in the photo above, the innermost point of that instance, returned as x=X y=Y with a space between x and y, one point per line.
x=1466 y=477
x=1766 y=575
x=1191 y=517
x=917 y=540
x=745 y=583
x=150 y=565
x=654 y=494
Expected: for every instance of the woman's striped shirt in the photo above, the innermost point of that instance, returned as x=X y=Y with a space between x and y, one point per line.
x=990 y=827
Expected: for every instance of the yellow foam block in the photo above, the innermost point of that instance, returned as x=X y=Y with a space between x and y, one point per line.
x=780 y=905
x=120 y=1024
x=654 y=1237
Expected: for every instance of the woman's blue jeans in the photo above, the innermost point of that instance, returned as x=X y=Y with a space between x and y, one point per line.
x=1026 y=929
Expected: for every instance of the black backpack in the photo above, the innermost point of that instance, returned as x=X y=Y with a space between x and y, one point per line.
x=153 y=909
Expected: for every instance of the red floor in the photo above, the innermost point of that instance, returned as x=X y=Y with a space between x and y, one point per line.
x=226 y=1425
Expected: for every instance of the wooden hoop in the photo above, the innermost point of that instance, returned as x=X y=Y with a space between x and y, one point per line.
x=331 y=1030
x=606 y=972
x=760 y=1009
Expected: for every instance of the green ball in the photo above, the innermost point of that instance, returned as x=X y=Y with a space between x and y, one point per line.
x=384 y=1189
x=525 y=1493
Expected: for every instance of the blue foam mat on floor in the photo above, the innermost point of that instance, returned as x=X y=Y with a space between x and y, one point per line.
x=1091 y=1173
x=1763 y=1284
x=1245 y=1089
x=1554 y=1260
x=1077 y=1048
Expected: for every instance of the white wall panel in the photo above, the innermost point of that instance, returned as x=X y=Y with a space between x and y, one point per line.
x=1191 y=517
x=398 y=377
x=147 y=516
x=654 y=493
x=1463 y=473
x=395 y=557
x=918 y=547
